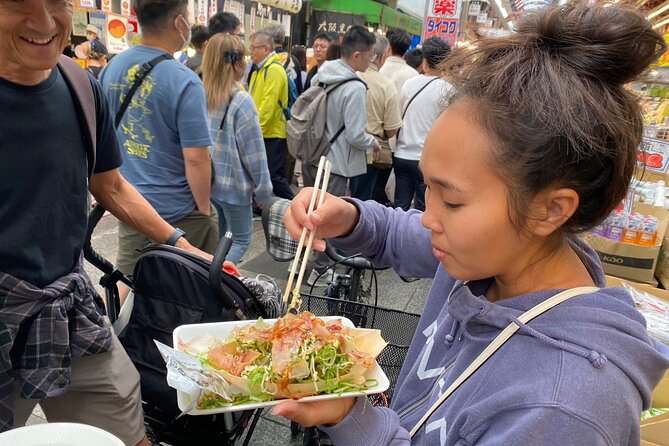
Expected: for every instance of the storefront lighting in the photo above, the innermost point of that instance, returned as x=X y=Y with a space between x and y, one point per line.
x=371 y=30
x=662 y=23
x=659 y=11
x=501 y=9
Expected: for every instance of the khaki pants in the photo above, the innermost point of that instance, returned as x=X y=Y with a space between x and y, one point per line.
x=201 y=232
x=104 y=392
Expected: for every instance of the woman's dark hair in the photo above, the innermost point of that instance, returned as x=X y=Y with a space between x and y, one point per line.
x=154 y=14
x=435 y=51
x=334 y=51
x=414 y=58
x=552 y=97
x=301 y=55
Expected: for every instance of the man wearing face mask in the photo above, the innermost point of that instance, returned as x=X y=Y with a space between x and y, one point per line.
x=164 y=133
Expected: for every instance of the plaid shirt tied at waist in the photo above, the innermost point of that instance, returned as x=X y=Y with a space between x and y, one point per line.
x=59 y=321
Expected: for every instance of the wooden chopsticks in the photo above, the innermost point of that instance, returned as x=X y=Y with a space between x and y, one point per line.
x=319 y=191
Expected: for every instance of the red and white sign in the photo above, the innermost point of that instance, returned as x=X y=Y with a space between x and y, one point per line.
x=106 y=5
x=445 y=8
x=442 y=19
x=117 y=33
x=446 y=29
x=125 y=7
x=202 y=12
x=87 y=4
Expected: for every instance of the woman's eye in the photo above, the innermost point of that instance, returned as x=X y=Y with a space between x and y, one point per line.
x=452 y=205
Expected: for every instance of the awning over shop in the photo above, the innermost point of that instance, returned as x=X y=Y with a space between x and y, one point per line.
x=373 y=12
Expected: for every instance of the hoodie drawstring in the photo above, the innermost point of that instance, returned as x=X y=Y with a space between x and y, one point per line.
x=596 y=359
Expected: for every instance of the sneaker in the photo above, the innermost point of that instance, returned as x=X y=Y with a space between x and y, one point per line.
x=317 y=280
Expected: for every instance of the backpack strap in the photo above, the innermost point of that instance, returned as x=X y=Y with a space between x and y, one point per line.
x=84 y=100
x=143 y=71
x=411 y=100
x=329 y=88
x=417 y=93
x=500 y=340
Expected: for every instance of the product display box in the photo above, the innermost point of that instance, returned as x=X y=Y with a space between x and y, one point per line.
x=655 y=431
x=633 y=262
x=661 y=392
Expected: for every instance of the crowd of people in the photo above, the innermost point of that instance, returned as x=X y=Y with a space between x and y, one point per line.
x=234 y=109
x=506 y=151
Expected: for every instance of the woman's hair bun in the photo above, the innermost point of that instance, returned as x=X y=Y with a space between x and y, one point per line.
x=613 y=44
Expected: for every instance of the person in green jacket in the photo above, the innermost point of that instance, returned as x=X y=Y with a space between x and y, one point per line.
x=269 y=88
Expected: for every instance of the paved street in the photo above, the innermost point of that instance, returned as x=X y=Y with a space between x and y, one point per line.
x=271 y=431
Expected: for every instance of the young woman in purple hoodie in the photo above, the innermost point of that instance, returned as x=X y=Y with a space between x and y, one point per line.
x=539 y=145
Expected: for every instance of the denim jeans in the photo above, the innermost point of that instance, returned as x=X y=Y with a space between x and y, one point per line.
x=237 y=219
x=408 y=182
x=362 y=186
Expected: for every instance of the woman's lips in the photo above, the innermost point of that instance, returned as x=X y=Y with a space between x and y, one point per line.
x=439 y=254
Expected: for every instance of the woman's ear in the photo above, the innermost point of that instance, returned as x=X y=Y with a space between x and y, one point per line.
x=551 y=209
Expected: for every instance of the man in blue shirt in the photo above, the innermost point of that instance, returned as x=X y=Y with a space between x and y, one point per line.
x=164 y=133
x=56 y=348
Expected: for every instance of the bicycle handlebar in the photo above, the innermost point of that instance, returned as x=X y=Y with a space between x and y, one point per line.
x=357 y=262
x=90 y=254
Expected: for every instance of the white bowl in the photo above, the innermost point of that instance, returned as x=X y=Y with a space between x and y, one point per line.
x=221 y=330
x=58 y=434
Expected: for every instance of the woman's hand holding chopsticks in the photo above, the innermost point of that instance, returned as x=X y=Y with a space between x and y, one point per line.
x=334 y=218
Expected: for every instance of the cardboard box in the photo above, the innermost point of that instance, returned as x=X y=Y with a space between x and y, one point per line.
x=655 y=431
x=633 y=262
x=660 y=396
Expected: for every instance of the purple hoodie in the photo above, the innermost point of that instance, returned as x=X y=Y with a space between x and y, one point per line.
x=579 y=374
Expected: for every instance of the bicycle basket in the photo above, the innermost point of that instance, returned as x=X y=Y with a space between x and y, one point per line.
x=397 y=328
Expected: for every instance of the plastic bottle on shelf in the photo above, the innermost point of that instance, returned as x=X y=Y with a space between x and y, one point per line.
x=659 y=194
x=633 y=228
x=616 y=226
x=648 y=233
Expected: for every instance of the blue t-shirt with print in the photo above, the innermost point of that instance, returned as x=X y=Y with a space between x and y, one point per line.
x=167 y=113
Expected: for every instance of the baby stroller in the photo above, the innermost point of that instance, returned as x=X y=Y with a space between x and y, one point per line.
x=172 y=287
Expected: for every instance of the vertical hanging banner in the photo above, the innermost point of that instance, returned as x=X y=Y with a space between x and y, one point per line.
x=117 y=33
x=125 y=7
x=202 y=12
x=106 y=5
x=442 y=19
x=234 y=7
x=213 y=7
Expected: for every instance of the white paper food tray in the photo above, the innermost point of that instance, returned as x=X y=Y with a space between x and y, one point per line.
x=220 y=330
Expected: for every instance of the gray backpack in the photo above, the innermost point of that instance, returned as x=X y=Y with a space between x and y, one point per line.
x=305 y=132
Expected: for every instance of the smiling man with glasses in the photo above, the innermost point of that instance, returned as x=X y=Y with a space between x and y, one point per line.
x=268 y=86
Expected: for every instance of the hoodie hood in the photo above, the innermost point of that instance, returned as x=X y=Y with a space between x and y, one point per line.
x=603 y=327
x=335 y=71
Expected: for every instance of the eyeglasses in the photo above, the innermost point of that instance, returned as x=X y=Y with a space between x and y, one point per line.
x=321 y=47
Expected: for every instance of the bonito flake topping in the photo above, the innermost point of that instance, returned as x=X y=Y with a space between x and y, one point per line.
x=299 y=355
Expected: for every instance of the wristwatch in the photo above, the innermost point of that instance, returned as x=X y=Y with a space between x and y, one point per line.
x=176 y=235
